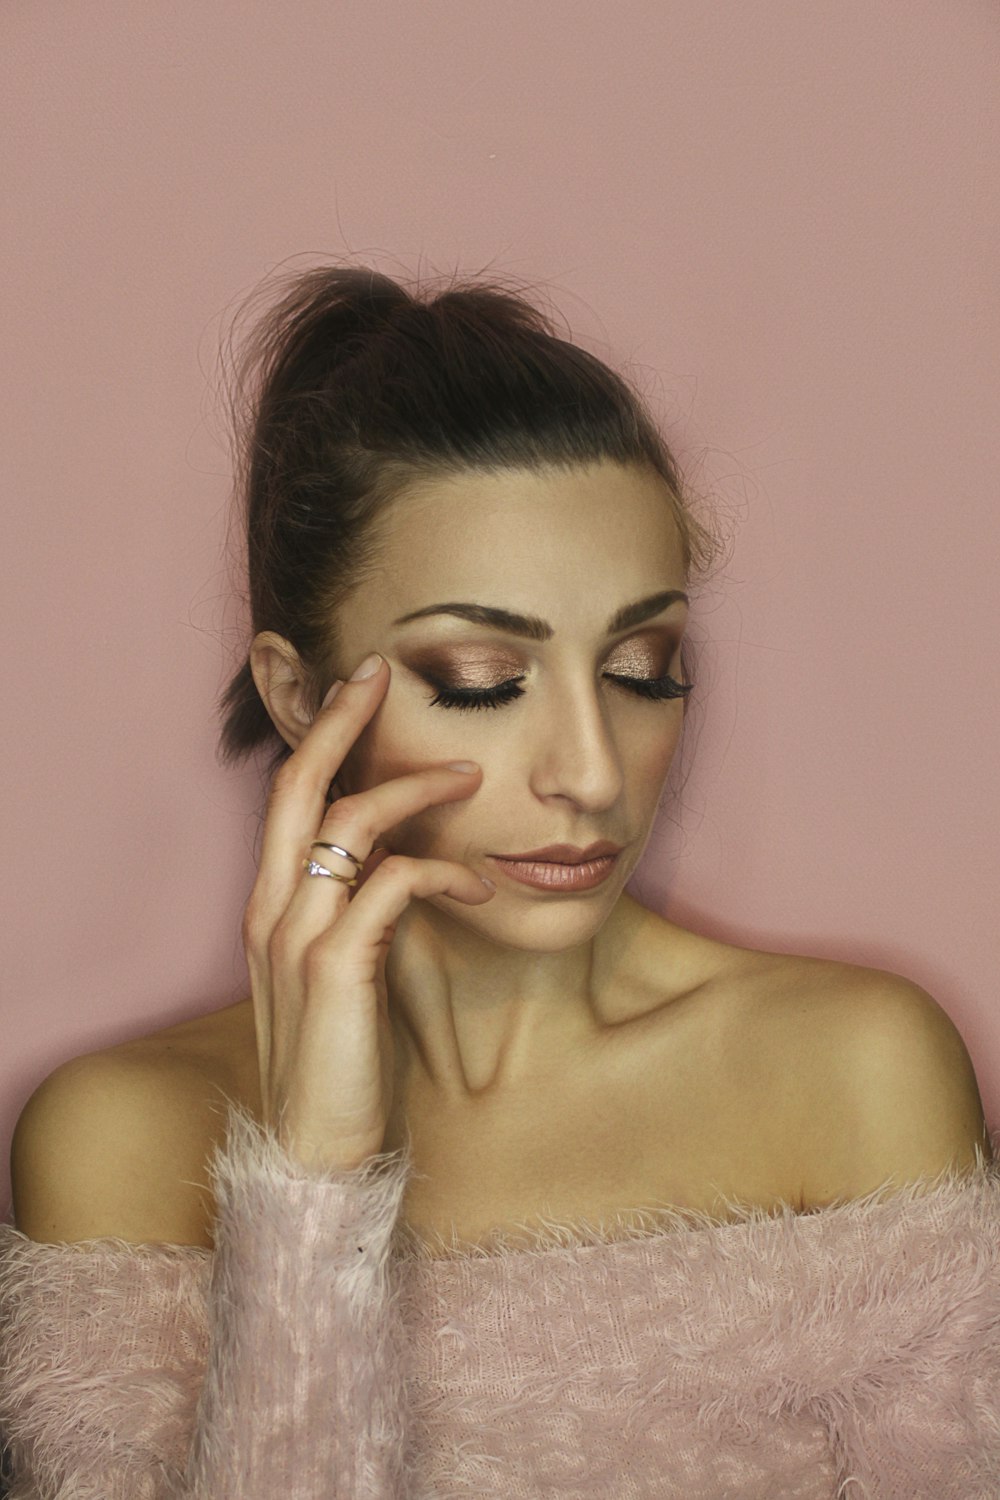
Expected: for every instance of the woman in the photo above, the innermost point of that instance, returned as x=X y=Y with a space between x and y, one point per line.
x=425 y=1249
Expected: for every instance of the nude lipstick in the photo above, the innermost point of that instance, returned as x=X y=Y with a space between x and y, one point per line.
x=561 y=867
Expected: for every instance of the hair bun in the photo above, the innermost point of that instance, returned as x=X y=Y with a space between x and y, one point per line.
x=325 y=317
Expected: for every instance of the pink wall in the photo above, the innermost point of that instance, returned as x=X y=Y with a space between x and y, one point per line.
x=786 y=215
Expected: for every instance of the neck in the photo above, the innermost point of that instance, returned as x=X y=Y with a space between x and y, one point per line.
x=474 y=1015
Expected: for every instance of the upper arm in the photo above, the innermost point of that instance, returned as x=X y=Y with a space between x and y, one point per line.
x=900 y=1101
x=103 y=1149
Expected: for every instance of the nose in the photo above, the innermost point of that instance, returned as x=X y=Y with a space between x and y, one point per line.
x=575 y=754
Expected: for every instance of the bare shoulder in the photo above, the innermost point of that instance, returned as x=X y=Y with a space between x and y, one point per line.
x=116 y=1143
x=891 y=1094
x=826 y=1011
x=852 y=1076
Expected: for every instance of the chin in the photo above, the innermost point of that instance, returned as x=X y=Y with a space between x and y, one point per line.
x=551 y=928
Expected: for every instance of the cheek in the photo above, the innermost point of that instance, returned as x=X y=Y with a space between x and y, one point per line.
x=651 y=759
x=377 y=755
x=396 y=741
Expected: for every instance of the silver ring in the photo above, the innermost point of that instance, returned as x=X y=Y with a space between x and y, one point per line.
x=316 y=869
x=318 y=844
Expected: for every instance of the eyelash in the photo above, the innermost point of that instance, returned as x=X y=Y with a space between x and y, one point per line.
x=659 y=689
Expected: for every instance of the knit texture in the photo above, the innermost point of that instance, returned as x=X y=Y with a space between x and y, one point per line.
x=323 y=1353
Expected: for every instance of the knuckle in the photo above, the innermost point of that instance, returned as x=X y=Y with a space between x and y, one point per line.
x=285 y=778
x=279 y=944
x=341 y=812
x=347 y=815
x=316 y=959
x=393 y=867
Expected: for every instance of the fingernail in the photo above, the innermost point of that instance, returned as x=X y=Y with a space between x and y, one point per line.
x=488 y=883
x=334 y=690
x=462 y=765
x=368 y=667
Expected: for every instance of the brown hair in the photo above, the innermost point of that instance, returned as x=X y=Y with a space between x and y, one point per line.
x=352 y=388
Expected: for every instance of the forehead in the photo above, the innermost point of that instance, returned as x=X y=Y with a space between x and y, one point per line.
x=478 y=532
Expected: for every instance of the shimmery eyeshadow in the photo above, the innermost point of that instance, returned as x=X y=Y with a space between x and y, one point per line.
x=636 y=658
x=470 y=669
x=483 y=667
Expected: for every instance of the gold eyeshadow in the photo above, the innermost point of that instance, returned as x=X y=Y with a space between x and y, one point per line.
x=475 y=667
x=645 y=655
x=640 y=658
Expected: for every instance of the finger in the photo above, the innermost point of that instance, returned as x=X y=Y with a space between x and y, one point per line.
x=371 y=865
x=365 y=816
x=355 y=943
x=354 y=824
x=297 y=798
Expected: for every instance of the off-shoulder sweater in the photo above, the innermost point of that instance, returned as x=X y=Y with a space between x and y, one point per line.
x=317 y=1354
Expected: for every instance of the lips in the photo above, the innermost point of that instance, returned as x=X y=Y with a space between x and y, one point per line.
x=565 y=854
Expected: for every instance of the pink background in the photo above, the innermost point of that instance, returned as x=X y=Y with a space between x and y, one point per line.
x=784 y=216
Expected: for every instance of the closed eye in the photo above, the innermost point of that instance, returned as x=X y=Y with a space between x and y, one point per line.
x=660 y=689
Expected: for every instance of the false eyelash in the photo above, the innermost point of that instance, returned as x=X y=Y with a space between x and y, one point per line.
x=657 y=688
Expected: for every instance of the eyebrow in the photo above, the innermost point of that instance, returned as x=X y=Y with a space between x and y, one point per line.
x=535 y=629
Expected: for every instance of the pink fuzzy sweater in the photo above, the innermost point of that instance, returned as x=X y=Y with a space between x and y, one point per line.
x=317 y=1355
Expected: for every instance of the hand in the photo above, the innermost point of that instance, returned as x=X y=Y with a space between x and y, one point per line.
x=316 y=948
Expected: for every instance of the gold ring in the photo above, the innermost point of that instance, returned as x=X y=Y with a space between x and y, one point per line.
x=317 y=869
x=318 y=844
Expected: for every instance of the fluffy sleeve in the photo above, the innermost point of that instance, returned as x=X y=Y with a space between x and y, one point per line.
x=271 y=1366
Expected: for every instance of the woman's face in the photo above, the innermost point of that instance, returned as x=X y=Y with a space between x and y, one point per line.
x=570 y=753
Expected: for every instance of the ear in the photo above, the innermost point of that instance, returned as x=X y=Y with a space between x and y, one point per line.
x=281 y=680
